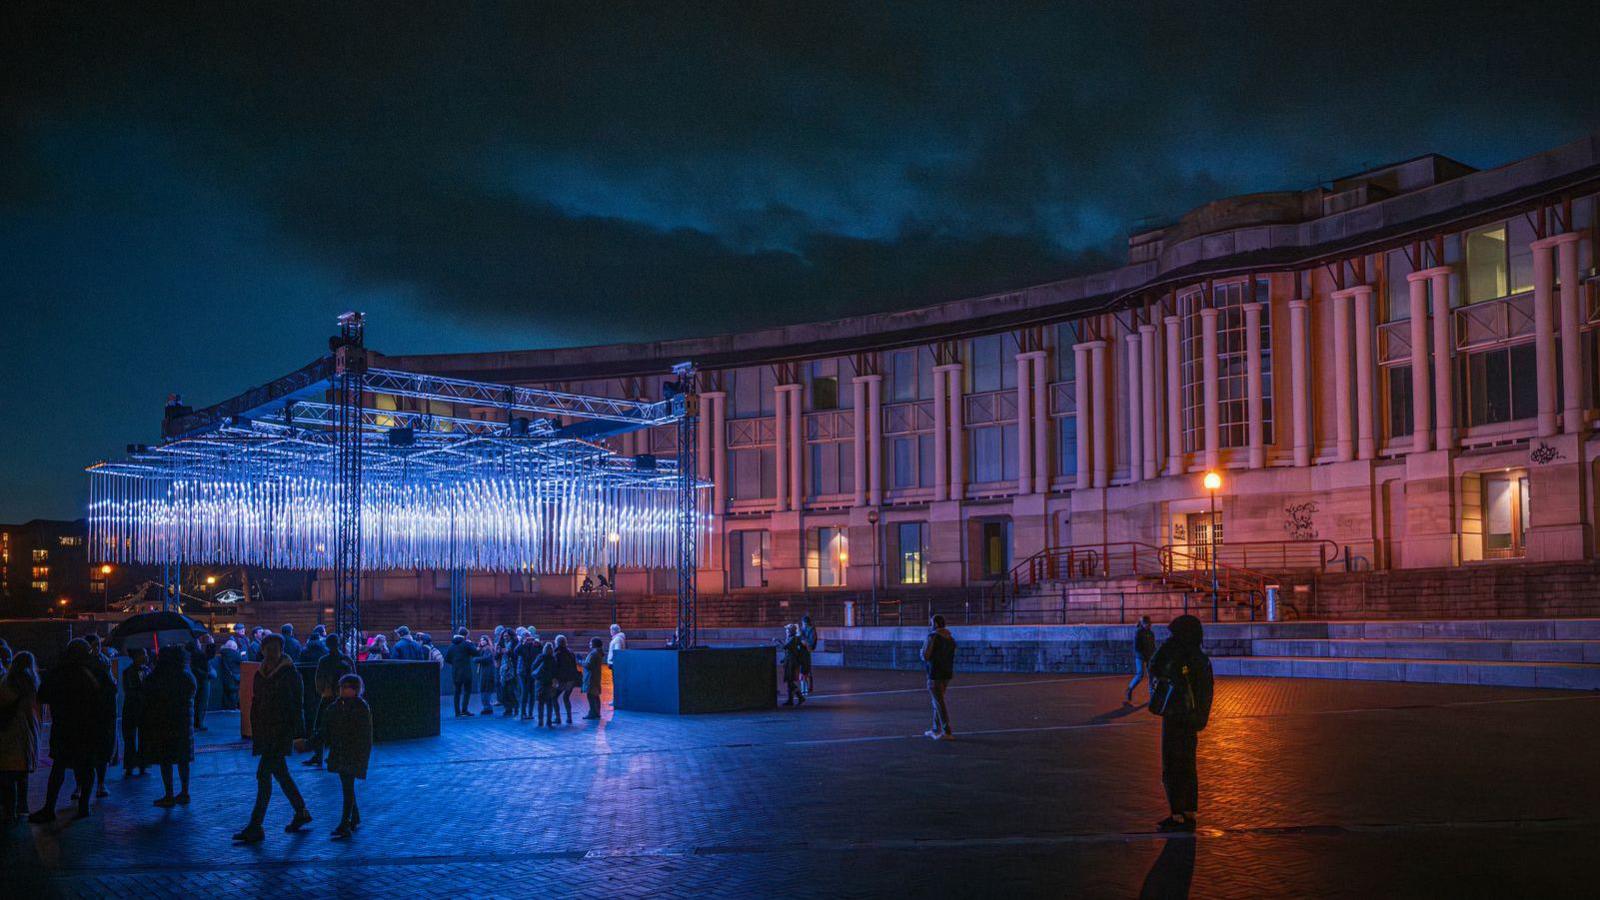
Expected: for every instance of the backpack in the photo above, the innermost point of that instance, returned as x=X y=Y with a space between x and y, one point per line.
x=1172 y=696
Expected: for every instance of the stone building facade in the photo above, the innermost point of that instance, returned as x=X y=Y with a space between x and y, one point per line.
x=1399 y=366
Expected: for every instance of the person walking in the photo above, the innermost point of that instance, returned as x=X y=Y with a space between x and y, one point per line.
x=593 y=676
x=228 y=661
x=200 y=659
x=333 y=666
x=275 y=722
x=566 y=677
x=19 y=735
x=72 y=691
x=619 y=641
x=483 y=673
x=291 y=645
x=544 y=684
x=1144 y=647
x=939 y=659
x=808 y=637
x=134 y=678
x=792 y=649
x=460 y=659
x=347 y=730
x=168 y=729
x=1182 y=697
x=527 y=655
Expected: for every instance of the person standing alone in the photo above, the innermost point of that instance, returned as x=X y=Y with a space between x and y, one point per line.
x=1144 y=647
x=1182 y=697
x=593 y=676
x=939 y=658
x=460 y=658
x=347 y=730
x=275 y=721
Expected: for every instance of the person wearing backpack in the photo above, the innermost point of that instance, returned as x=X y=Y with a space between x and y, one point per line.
x=939 y=659
x=1181 y=696
x=1144 y=647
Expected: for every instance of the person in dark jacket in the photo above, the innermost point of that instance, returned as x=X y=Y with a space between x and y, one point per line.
x=134 y=677
x=483 y=674
x=808 y=636
x=566 y=677
x=275 y=721
x=527 y=657
x=459 y=658
x=792 y=651
x=72 y=691
x=229 y=659
x=168 y=728
x=103 y=665
x=939 y=658
x=406 y=646
x=19 y=734
x=1183 y=668
x=334 y=666
x=201 y=655
x=592 y=677
x=315 y=649
x=544 y=684
x=347 y=730
x=291 y=645
x=505 y=655
x=1144 y=647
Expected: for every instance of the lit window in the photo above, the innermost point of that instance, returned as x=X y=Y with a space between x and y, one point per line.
x=911 y=549
x=827 y=556
x=1232 y=358
x=748 y=552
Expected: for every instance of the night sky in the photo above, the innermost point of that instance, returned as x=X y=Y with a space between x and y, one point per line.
x=188 y=199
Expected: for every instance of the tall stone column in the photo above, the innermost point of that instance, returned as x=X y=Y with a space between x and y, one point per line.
x=797 y=444
x=1421 y=392
x=1024 y=424
x=1256 y=419
x=958 y=436
x=1213 y=400
x=1572 y=316
x=1135 y=408
x=712 y=404
x=1102 y=430
x=702 y=441
x=858 y=416
x=1148 y=394
x=1444 y=349
x=780 y=456
x=1366 y=436
x=1344 y=442
x=1041 y=425
x=1544 y=333
x=1175 y=464
x=875 y=438
x=1080 y=361
x=1300 y=381
x=941 y=436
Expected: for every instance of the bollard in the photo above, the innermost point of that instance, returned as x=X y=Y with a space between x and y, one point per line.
x=1272 y=603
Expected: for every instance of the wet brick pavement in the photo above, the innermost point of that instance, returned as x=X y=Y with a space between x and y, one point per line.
x=1308 y=789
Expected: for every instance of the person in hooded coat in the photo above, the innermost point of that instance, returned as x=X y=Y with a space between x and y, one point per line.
x=347 y=729
x=167 y=732
x=276 y=720
x=19 y=735
x=77 y=709
x=229 y=658
x=1184 y=669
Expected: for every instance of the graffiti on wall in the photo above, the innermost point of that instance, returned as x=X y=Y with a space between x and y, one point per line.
x=1300 y=523
x=1544 y=454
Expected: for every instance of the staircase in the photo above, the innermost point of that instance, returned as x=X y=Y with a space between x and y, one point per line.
x=1533 y=653
x=1118 y=582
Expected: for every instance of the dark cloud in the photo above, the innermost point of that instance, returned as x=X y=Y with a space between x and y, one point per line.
x=490 y=175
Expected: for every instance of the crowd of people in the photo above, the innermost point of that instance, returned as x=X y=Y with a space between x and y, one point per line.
x=145 y=712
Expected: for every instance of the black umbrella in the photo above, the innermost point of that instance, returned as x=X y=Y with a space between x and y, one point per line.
x=151 y=630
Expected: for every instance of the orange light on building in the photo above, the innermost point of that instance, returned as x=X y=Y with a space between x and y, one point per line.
x=105 y=569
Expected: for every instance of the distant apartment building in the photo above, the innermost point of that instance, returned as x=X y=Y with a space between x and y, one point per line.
x=45 y=561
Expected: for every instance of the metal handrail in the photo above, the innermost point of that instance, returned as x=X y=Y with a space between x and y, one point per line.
x=1096 y=561
x=1315 y=554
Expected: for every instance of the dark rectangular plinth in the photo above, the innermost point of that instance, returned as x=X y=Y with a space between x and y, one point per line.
x=404 y=696
x=703 y=680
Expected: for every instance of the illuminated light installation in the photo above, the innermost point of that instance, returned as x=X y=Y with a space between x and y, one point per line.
x=266 y=496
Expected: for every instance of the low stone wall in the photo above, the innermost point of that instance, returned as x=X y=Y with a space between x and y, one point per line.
x=1092 y=649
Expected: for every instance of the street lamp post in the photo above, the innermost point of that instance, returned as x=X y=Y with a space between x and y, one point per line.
x=872 y=520
x=1213 y=483
x=611 y=568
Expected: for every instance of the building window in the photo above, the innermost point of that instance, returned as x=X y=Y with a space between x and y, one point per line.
x=41 y=585
x=71 y=540
x=1397 y=386
x=995 y=549
x=1500 y=385
x=823 y=378
x=911 y=376
x=911 y=552
x=832 y=468
x=1233 y=404
x=1499 y=260
x=1067 y=446
x=1396 y=288
x=40 y=555
x=827 y=556
x=911 y=461
x=994 y=454
x=993 y=362
x=1505 y=515
x=753 y=392
x=755 y=473
x=748 y=552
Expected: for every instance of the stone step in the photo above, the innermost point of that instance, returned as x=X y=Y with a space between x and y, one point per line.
x=1471 y=629
x=1561 y=676
x=823 y=658
x=1577 y=651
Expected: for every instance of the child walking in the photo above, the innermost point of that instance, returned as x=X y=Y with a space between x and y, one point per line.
x=347 y=733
